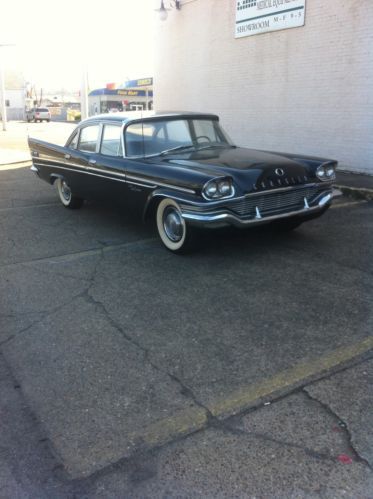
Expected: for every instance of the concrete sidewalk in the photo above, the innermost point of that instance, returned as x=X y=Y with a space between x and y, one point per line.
x=13 y=157
x=358 y=185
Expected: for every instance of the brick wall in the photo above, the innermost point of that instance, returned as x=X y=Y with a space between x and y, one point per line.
x=307 y=89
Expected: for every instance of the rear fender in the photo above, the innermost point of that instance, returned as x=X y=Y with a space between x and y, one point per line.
x=54 y=176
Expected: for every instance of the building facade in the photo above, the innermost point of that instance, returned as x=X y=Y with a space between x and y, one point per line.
x=15 y=93
x=306 y=89
x=134 y=95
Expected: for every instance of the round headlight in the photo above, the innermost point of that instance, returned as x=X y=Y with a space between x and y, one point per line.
x=218 y=188
x=320 y=173
x=224 y=187
x=329 y=171
x=211 y=189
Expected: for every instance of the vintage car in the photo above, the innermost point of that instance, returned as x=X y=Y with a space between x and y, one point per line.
x=183 y=171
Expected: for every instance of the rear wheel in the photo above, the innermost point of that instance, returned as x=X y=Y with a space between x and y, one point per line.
x=175 y=234
x=66 y=196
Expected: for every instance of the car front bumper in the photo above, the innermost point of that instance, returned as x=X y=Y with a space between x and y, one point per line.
x=224 y=218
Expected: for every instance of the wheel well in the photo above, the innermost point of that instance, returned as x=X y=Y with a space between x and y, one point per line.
x=54 y=177
x=151 y=208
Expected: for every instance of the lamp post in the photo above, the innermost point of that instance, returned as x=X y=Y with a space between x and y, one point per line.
x=2 y=89
x=173 y=4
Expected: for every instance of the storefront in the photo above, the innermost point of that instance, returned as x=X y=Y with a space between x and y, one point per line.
x=283 y=75
x=134 y=95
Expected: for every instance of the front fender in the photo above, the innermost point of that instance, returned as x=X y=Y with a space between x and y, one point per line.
x=158 y=194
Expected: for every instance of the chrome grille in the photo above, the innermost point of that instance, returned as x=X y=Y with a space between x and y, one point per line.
x=276 y=201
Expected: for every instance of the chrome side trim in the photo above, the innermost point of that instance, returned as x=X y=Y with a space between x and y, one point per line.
x=162 y=184
x=86 y=172
x=49 y=159
x=224 y=219
x=109 y=172
x=126 y=178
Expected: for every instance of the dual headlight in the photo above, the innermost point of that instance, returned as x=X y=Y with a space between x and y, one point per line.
x=325 y=172
x=218 y=188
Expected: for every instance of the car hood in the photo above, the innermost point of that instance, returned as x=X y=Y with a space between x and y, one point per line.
x=250 y=168
x=238 y=158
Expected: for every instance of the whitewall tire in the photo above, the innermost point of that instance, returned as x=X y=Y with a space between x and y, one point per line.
x=66 y=196
x=174 y=233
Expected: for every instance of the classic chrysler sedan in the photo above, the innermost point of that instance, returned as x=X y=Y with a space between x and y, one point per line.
x=183 y=171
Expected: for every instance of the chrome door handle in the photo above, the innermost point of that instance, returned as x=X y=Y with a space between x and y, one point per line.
x=67 y=156
x=92 y=161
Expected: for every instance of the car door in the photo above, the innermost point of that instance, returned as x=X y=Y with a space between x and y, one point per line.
x=105 y=170
x=81 y=156
x=76 y=156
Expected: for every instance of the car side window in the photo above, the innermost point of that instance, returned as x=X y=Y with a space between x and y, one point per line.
x=111 y=144
x=74 y=141
x=88 y=138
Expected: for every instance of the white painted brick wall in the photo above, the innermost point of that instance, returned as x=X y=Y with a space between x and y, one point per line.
x=306 y=90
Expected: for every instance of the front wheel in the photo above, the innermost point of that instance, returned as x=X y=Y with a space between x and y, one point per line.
x=175 y=234
x=66 y=196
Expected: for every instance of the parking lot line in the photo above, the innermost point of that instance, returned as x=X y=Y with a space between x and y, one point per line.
x=191 y=420
x=351 y=203
x=246 y=396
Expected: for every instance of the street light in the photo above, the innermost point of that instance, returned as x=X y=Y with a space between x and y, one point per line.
x=173 y=4
x=2 y=89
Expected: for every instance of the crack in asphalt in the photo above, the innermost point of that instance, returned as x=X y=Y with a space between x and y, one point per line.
x=44 y=315
x=225 y=426
x=342 y=424
x=184 y=389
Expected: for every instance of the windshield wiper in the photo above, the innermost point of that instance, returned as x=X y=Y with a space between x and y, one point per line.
x=177 y=148
x=218 y=146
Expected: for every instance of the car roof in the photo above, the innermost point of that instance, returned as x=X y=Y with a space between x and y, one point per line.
x=126 y=117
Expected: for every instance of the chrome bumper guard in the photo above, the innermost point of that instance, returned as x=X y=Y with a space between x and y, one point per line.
x=223 y=219
x=34 y=169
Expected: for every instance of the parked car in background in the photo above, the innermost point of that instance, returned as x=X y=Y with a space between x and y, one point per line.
x=38 y=114
x=182 y=171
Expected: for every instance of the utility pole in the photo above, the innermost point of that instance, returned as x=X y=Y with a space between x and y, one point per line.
x=2 y=99
x=2 y=89
x=84 y=95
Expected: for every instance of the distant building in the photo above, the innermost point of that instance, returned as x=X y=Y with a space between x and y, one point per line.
x=15 y=94
x=62 y=104
x=133 y=95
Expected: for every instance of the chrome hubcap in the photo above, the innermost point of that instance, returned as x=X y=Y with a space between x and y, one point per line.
x=65 y=191
x=173 y=224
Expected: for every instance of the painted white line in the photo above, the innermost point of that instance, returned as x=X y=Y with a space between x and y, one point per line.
x=344 y=205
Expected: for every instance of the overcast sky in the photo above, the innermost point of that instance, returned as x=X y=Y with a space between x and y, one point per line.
x=56 y=38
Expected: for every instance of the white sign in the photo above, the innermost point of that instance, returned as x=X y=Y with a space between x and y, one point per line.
x=260 y=16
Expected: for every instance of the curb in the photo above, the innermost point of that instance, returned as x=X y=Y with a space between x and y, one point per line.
x=356 y=192
x=15 y=164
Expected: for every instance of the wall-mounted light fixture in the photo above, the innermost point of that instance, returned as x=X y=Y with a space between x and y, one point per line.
x=163 y=11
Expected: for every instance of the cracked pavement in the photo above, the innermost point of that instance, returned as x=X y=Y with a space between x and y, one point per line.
x=129 y=363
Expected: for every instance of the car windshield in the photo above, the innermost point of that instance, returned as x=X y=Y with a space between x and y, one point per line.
x=162 y=137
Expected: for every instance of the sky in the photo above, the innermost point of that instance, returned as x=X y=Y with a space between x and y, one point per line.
x=56 y=39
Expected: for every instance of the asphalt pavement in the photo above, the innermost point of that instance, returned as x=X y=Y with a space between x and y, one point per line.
x=242 y=370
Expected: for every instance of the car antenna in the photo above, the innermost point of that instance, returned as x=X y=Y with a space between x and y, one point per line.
x=142 y=131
